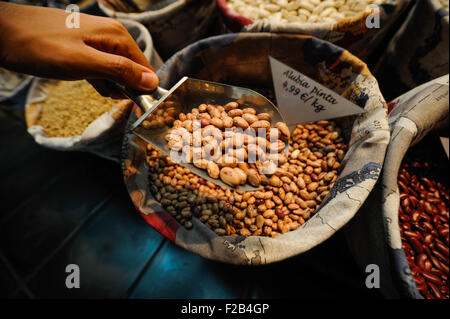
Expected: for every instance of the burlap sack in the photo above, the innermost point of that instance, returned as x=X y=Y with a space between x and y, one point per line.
x=11 y=83
x=104 y=135
x=418 y=53
x=351 y=34
x=173 y=26
x=374 y=235
x=244 y=60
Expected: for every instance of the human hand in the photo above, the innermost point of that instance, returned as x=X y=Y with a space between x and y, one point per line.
x=35 y=40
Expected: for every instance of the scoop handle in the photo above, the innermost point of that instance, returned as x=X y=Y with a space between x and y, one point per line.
x=145 y=100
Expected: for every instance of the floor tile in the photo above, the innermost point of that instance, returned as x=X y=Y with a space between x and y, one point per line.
x=177 y=273
x=111 y=251
x=7 y=281
x=327 y=271
x=39 y=226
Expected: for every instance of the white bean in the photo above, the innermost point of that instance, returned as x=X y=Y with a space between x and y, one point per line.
x=310 y=11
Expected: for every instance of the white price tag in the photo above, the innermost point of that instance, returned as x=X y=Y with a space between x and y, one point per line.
x=301 y=99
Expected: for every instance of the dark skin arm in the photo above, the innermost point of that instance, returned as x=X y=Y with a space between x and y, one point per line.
x=35 y=40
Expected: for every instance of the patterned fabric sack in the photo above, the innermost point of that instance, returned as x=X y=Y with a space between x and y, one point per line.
x=352 y=34
x=104 y=135
x=374 y=234
x=11 y=83
x=173 y=24
x=245 y=61
x=418 y=53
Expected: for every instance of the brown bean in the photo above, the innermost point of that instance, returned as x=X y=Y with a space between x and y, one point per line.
x=263 y=116
x=260 y=124
x=231 y=106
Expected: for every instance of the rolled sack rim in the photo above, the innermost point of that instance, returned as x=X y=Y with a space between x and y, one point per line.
x=145 y=16
x=237 y=22
x=411 y=134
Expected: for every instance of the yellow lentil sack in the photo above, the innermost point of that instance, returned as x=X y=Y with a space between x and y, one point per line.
x=72 y=116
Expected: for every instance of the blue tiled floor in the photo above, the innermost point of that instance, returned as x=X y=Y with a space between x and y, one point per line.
x=61 y=208
x=7 y=280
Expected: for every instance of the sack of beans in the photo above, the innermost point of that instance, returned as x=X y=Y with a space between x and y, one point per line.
x=403 y=226
x=315 y=190
x=173 y=23
x=72 y=116
x=418 y=52
x=355 y=25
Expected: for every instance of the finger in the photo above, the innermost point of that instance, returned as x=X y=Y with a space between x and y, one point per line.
x=120 y=69
x=134 y=52
x=117 y=40
x=105 y=90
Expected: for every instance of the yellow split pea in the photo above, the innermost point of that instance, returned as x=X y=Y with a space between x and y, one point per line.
x=70 y=107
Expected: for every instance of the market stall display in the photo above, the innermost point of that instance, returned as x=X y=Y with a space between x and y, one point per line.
x=72 y=116
x=381 y=176
x=358 y=26
x=299 y=206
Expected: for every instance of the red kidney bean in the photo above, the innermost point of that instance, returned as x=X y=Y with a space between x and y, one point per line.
x=405 y=218
x=415 y=270
x=443 y=231
x=444 y=268
x=419 y=280
x=436 y=263
x=431 y=277
x=427 y=250
x=440 y=257
x=421 y=260
x=444 y=289
x=427 y=226
x=436 y=219
x=442 y=248
x=411 y=234
x=428 y=239
x=402 y=186
x=428 y=208
x=427 y=182
x=406 y=202
x=436 y=272
x=435 y=291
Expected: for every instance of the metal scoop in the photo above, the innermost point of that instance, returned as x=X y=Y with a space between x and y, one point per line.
x=187 y=94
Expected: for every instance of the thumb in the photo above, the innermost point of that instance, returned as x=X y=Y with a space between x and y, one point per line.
x=125 y=71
